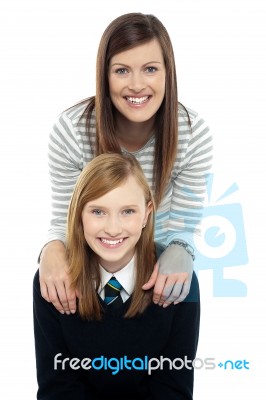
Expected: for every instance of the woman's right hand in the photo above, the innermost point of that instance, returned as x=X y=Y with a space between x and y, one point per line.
x=54 y=278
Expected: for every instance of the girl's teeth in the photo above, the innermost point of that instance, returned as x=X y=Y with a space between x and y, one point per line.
x=137 y=100
x=111 y=241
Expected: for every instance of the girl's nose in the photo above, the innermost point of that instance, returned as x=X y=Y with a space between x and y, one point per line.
x=113 y=226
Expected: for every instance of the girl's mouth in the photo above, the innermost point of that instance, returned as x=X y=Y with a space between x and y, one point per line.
x=112 y=243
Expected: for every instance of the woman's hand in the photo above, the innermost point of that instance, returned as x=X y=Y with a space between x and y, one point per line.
x=171 y=277
x=54 y=278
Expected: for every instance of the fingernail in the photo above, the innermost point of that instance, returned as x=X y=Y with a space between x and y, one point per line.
x=62 y=312
x=68 y=312
x=156 y=302
x=165 y=305
x=72 y=311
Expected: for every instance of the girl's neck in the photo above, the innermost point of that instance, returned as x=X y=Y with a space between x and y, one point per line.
x=113 y=268
x=132 y=136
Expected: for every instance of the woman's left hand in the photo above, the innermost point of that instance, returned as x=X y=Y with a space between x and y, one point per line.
x=171 y=277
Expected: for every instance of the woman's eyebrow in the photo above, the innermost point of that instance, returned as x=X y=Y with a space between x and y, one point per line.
x=128 y=66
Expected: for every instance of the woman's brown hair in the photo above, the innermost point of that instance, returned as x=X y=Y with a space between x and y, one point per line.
x=103 y=174
x=126 y=32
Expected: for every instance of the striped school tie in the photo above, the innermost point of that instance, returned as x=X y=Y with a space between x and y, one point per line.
x=112 y=292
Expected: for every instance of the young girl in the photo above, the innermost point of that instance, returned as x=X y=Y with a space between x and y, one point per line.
x=120 y=344
x=135 y=111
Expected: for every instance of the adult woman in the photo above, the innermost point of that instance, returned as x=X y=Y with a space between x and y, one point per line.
x=135 y=110
x=110 y=239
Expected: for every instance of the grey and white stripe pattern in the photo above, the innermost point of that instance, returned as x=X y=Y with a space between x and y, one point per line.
x=180 y=211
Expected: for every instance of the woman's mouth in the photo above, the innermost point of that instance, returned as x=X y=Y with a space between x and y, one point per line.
x=137 y=100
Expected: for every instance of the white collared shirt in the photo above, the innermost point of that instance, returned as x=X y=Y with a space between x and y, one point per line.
x=125 y=276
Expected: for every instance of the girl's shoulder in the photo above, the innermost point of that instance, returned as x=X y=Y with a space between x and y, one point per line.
x=159 y=248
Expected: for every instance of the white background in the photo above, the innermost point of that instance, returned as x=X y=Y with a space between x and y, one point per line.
x=48 y=52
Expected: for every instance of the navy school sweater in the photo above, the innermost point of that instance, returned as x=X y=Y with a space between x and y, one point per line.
x=148 y=357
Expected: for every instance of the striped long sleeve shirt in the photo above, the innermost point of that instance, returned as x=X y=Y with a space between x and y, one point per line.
x=179 y=213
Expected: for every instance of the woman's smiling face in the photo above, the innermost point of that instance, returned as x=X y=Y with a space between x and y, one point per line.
x=137 y=81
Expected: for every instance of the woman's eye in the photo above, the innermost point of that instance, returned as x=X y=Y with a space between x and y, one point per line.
x=121 y=71
x=151 y=69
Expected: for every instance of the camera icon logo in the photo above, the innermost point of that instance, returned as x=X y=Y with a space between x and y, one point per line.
x=223 y=239
x=222 y=244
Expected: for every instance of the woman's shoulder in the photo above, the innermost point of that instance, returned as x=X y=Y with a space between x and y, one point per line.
x=191 y=126
x=187 y=115
x=75 y=125
x=78 y=113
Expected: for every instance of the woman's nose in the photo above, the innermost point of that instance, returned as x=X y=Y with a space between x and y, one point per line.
x=136 y=82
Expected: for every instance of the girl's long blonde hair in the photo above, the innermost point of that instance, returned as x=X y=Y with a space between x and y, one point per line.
x=103 y=174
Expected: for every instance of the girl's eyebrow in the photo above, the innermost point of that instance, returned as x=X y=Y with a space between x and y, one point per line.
x=103 y=207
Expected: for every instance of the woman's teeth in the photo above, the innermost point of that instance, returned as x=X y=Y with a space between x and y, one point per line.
x=137 y=100
x=111 y=242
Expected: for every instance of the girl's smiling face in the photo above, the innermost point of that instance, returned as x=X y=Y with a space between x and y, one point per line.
x=113 y=224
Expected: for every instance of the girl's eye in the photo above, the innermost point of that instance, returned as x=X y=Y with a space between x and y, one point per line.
x=129 y=211
x=121 y=71
x=151 y=69
x=97 y=212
